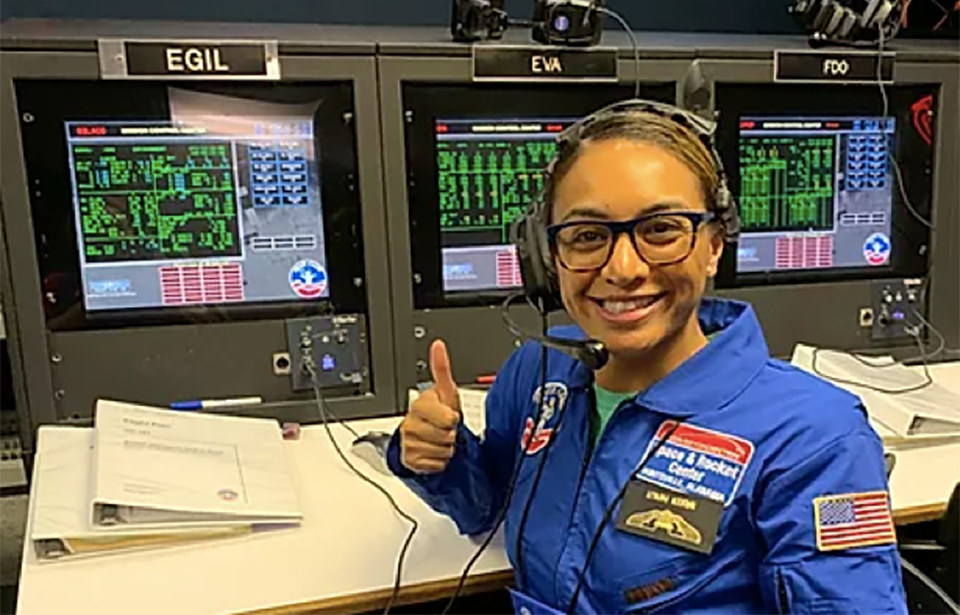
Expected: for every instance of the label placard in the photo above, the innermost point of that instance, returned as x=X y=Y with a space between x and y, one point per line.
x=832 y=67
x=189 y=60
x=544 y=64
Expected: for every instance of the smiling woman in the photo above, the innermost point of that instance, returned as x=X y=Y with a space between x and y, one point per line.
x=693 y=472
x=636 y=285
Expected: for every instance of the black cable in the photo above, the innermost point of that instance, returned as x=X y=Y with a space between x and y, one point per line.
x=606 y=515
x=502 y=513
x=310 y=365
x=927 y=378
x=943 y=341
x=521 y=568
x=414 y=525
x=633 y=41
x=890 y=155
x=337 y=418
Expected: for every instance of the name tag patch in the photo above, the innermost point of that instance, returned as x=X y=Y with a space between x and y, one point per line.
x=698 y=461
x=688 y=522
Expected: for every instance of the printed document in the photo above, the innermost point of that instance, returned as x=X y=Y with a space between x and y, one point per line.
x=59 y=508
x=473 y=407
x=157 y=467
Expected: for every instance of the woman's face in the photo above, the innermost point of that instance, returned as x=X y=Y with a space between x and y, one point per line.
x=629 y=305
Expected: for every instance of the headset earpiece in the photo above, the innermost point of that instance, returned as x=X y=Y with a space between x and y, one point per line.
x=848 y=23
x=867 y=18
x=882 y=14
x=529 y=234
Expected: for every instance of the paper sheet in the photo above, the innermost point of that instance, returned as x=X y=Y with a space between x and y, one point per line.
x=473 y=406
x=231 y=468
x=60 y=500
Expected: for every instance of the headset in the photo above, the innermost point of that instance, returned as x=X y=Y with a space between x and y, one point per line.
x=529 y=232
x=848 y=22
x=568 y=22
x=474 y=20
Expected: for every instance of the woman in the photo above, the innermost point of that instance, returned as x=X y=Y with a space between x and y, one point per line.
x=690 y=473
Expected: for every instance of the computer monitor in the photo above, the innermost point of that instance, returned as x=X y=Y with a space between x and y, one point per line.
x=476 y=157
x=815 y=193
x=828 y=186
x=188 y=199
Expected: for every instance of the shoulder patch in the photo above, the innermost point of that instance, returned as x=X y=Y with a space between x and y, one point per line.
x=852 y=520
x=554 y=399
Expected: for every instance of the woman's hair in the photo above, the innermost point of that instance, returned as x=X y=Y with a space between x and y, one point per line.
x=646 y=127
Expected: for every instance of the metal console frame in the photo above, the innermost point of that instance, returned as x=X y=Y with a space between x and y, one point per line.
x=378 y=61
x=55 y=371
x=478 y=341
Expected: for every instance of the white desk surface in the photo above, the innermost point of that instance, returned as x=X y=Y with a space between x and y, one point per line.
x=349 y=541
x=926 y=472
x=347 y=545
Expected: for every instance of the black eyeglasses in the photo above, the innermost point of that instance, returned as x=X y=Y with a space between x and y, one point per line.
x=661 y=238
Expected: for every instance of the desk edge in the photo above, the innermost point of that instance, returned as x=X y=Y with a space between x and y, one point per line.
x=377 y=599
x=919 y=514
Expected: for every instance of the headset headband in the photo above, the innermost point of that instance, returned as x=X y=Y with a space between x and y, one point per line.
x=700 y=125
x=703 y=128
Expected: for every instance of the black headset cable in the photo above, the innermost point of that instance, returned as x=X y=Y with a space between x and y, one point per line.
x=521 y=568
x=310 y=368
x=609 y=512
x=502 y=513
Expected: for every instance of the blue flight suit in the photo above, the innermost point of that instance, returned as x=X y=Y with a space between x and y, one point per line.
x=782 y=438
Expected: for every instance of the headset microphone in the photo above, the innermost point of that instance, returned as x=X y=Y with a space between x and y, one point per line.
x=591 y=353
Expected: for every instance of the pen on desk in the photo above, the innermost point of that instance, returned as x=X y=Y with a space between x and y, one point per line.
x=486 y=379
x=203 y=404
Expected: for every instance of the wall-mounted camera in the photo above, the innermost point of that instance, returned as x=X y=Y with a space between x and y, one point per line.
x=568 y=22
x=474 y=20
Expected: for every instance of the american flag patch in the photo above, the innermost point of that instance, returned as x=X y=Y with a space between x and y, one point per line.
x=853 y=520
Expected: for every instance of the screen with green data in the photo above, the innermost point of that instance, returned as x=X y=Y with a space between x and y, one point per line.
x=197 y=211
x=815 y=193
x=787 y=182
x=488 y=171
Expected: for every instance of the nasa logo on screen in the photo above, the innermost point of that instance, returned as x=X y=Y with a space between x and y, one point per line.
x=308 y=278
x=876 y=249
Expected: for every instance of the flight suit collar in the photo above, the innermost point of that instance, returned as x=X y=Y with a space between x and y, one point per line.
x=719 y=371
x=710 y=378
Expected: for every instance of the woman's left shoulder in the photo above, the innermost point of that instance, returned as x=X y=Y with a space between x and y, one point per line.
x=803 y=401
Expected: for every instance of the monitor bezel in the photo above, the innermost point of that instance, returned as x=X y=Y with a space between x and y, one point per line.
x=909 y=237
x=53 y=103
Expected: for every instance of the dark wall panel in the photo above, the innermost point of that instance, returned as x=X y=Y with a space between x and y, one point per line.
x=766 y=16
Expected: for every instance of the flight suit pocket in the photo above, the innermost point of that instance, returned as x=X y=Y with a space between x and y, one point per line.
x=655 y=590
x=864 y=581
x=668 y=587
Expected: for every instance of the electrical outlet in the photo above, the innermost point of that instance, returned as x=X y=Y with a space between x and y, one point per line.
x=281 y=363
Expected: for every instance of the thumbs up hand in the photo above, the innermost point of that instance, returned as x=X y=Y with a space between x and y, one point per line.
x=428 y=433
